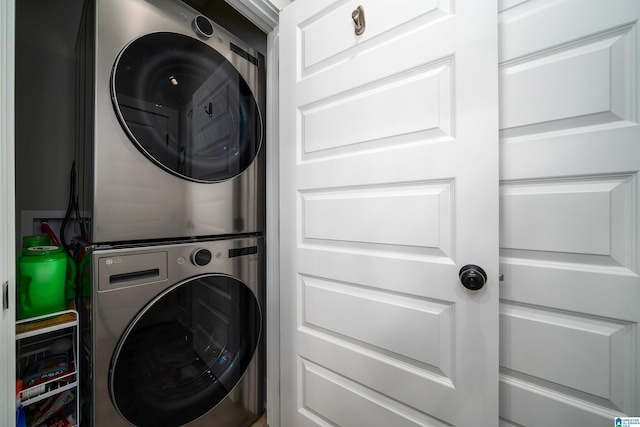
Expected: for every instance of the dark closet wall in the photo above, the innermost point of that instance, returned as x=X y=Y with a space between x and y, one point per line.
x=45 y=102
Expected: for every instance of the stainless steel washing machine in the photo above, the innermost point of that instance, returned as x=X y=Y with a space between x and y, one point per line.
x=171 y=124
x=172 y=334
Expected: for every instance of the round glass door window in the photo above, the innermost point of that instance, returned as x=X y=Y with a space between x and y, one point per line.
x=186 y=107
x=185 y=351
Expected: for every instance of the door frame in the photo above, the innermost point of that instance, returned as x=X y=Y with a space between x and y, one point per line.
x=272 y=233
x=7 y=208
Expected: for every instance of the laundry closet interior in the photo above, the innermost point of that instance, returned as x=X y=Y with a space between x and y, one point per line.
x=448 y=210
x=140 y=145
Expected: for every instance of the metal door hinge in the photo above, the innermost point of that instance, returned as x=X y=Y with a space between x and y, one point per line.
x=5 y=295
x=501 y=277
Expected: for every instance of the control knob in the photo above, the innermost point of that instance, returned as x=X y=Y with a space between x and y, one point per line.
x=201 y=257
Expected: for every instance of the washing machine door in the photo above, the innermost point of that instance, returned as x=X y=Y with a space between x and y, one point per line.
x=185 y=351
x=186 y=107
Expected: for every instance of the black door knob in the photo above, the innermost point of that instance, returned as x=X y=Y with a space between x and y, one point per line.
x=472 y=277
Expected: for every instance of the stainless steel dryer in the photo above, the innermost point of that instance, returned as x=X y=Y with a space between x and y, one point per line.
x=172 y=334
x=172 y=129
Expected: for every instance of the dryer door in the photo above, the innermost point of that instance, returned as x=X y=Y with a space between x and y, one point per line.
x=185 y=351
x=186 y=107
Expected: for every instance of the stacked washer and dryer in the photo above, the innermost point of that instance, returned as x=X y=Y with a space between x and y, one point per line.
x=171 y=169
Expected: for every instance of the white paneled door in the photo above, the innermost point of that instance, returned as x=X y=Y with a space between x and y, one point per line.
x=389 y=186
x=570 y=217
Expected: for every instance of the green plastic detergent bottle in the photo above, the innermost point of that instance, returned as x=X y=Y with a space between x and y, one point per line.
x=44 y=273
x=38 y=240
